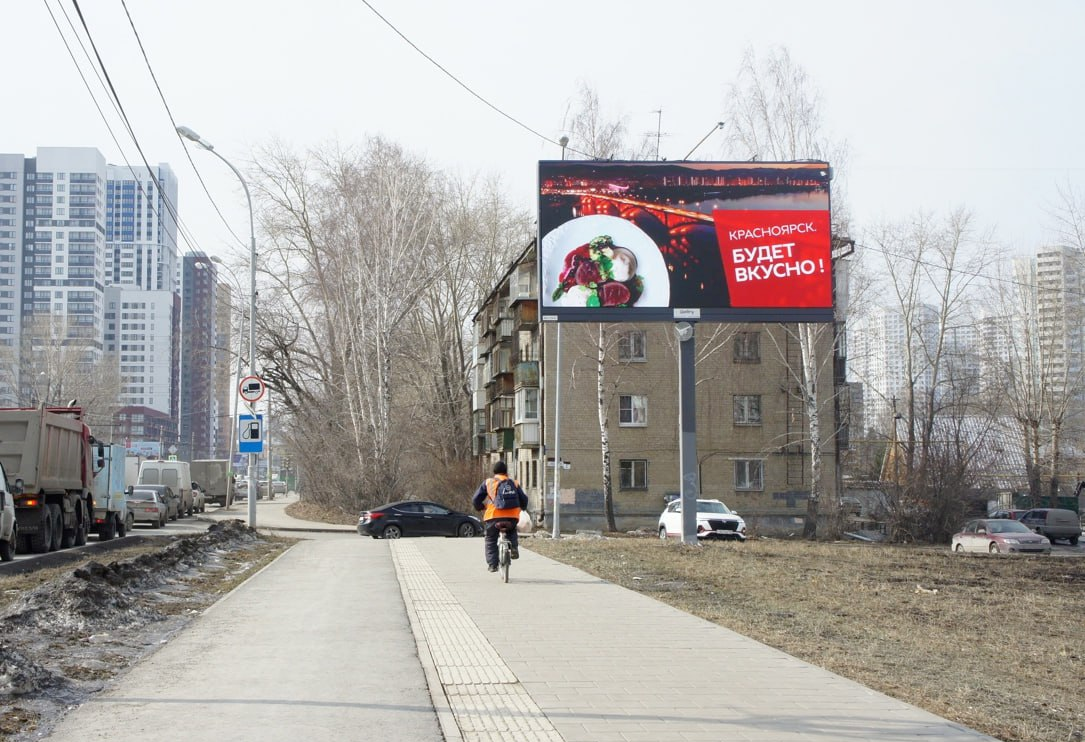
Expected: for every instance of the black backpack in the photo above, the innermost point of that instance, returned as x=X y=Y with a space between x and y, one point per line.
x=507 y=495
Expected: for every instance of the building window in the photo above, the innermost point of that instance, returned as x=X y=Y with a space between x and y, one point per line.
x=748 y=347
x=632 y=410
x=632 y=346
x=633 y=474
x=749 y=474
x=747 y=409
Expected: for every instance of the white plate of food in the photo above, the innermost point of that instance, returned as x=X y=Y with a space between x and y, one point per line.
x=603 y=261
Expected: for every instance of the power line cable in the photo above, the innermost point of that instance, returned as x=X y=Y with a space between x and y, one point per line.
x=467 y=87
x=169 y=113
x=131 y=132
x=101 y=113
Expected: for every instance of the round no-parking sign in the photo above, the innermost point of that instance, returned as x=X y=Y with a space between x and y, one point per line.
x=251 y=388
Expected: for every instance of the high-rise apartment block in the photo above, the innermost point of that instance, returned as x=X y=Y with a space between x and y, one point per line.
x=89 y=270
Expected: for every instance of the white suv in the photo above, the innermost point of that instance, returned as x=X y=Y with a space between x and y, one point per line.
x=714 y=521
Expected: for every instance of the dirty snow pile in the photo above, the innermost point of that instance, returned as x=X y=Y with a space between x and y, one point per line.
x=62 y=640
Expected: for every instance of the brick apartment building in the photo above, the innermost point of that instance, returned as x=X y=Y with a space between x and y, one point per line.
x=753 y=450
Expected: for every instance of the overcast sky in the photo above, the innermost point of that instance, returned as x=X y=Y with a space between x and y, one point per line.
x=943 y=104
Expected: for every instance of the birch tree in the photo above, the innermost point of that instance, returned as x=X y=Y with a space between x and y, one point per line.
x=774 y=113
x=933 y=269
x=374 y=264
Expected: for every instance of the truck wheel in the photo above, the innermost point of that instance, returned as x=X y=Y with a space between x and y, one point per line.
x=43 y=539
x=107 y=530
x=68 y=536
x=7 y=548
x=82 y=528
x=58 y=527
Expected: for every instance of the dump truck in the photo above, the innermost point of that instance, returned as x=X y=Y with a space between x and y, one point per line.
x=111 y=516
x=48 y=457
x=212 y=475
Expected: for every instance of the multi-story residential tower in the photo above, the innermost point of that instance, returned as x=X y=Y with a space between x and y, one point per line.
x=876 y=358
x=52 y=227
x=199 y=355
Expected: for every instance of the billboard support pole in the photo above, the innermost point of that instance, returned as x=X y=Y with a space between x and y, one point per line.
x=556 y=516
x=687 y=424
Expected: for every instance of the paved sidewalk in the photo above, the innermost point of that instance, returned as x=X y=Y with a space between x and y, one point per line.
x=593 y=662
x=350 y=638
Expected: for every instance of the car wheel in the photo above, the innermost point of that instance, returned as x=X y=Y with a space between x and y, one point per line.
x=466 y=530
x=993 y=548
x=1073 y=540
x=392 y=532
x=663 y=532
x=157 y=524
x=959 y=548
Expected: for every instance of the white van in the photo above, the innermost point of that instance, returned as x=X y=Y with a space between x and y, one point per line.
x=175 y=474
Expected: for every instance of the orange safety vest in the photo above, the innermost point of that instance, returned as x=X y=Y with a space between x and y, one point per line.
x=491 y=492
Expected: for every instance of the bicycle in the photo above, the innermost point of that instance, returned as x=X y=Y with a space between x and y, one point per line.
x=504 y=550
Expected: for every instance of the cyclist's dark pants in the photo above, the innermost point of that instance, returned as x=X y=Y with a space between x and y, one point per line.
x=491 y=538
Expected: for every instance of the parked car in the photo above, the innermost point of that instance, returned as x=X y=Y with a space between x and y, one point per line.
x=277 y=488
x=168 y=495
x=199 y=498
x=147 y=506
x=1011 y=514
x=714 y=521
x=1054 y=523
x=999 y=536
x=417 y=518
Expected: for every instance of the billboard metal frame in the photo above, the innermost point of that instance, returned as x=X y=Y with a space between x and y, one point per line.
x=676 y=205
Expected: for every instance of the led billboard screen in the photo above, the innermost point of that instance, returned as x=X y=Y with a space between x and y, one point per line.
x=716 y=241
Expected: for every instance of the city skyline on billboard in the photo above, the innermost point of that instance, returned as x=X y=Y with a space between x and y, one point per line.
x=657 y=241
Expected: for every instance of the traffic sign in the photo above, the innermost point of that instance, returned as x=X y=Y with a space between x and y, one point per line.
x=250 y=433
x=251 y=388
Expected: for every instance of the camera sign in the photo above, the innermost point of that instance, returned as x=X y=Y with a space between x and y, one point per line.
x=251 y=388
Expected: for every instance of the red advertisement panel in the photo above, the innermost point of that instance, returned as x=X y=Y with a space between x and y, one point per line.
x=776 y=258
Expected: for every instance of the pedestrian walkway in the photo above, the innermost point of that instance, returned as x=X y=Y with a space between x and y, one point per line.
x=557 y=654
x=350 y=638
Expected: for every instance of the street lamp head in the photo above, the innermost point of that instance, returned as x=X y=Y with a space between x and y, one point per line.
x=188 y=133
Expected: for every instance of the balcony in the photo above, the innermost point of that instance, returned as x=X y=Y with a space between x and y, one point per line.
x=527 y=434
x=527 y=315
x=501 y=418
x=526 y=374
x=500 y=386
x=479 y=399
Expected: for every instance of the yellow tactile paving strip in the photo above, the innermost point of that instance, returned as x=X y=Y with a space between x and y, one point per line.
x=486 y=699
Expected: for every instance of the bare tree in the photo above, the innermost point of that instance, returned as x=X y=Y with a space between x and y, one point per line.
x=376 y=262
x=774 y=113
x=933 y=267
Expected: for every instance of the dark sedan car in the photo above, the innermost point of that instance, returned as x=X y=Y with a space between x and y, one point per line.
x=417 y=518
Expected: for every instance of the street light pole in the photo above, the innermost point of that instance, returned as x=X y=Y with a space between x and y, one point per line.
x=188 y=133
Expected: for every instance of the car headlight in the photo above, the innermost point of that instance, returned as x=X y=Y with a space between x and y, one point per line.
x=1012 y=540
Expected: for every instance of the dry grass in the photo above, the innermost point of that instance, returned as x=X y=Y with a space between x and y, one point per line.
x=998 y=647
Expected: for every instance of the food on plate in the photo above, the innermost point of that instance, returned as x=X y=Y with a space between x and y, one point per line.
x=599 y=274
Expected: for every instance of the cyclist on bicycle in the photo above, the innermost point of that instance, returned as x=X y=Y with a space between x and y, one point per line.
x=493 y=519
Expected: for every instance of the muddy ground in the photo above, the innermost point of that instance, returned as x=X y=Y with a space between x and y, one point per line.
x=65 y=632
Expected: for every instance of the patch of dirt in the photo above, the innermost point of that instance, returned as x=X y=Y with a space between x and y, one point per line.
x=304 y=510
x=992 y=642
x=65 y=633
